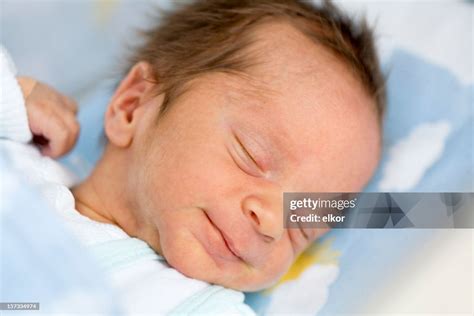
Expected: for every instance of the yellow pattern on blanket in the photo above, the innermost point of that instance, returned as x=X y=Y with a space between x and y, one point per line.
x=318 y=253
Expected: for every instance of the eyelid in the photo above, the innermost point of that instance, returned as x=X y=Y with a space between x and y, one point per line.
x=247 y=153
x=247 y=164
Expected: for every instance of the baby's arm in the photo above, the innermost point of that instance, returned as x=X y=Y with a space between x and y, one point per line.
x=31 y=110
x=13 y=117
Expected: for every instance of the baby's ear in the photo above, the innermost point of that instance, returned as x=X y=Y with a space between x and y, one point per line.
x=127 y=102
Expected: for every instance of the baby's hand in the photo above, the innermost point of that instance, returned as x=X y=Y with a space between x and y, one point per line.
x=51 y=116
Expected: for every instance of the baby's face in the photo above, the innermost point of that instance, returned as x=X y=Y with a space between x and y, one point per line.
x=210 y=175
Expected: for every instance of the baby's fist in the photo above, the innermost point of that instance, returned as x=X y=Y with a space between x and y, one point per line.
x=51 y=116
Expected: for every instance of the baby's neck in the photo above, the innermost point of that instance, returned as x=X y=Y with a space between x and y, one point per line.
x=83 y=205
x=104 y=197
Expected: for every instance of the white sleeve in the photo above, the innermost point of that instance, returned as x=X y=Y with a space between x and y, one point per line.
x=13 y=116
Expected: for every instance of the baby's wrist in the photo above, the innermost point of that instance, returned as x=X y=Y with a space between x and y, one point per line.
x=27 y=85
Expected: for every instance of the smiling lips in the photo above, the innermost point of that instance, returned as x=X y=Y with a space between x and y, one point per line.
x=229 y=244
x=226 y=242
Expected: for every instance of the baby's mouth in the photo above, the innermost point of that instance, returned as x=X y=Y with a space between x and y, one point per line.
x=229 y=244
x=226 y=240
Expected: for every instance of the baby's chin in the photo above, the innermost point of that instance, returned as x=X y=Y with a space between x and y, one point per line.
x=187 y=256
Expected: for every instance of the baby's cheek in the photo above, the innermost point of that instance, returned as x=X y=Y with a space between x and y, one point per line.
x=278 y=263
x=184 y=253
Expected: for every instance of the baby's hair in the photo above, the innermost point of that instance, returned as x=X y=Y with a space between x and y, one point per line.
x=212 y=35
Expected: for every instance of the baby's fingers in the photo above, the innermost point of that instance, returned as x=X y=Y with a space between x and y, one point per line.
x=71 y=123
x=59 y=129
x=69 y=103
x=61 y=136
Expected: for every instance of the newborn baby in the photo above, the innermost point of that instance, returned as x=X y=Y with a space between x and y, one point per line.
x=225 y=106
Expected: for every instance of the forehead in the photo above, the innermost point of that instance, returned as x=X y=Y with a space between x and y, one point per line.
x=302 y=103
x=313 y=108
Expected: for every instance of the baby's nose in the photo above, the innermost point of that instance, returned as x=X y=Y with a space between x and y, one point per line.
x=265 y=215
